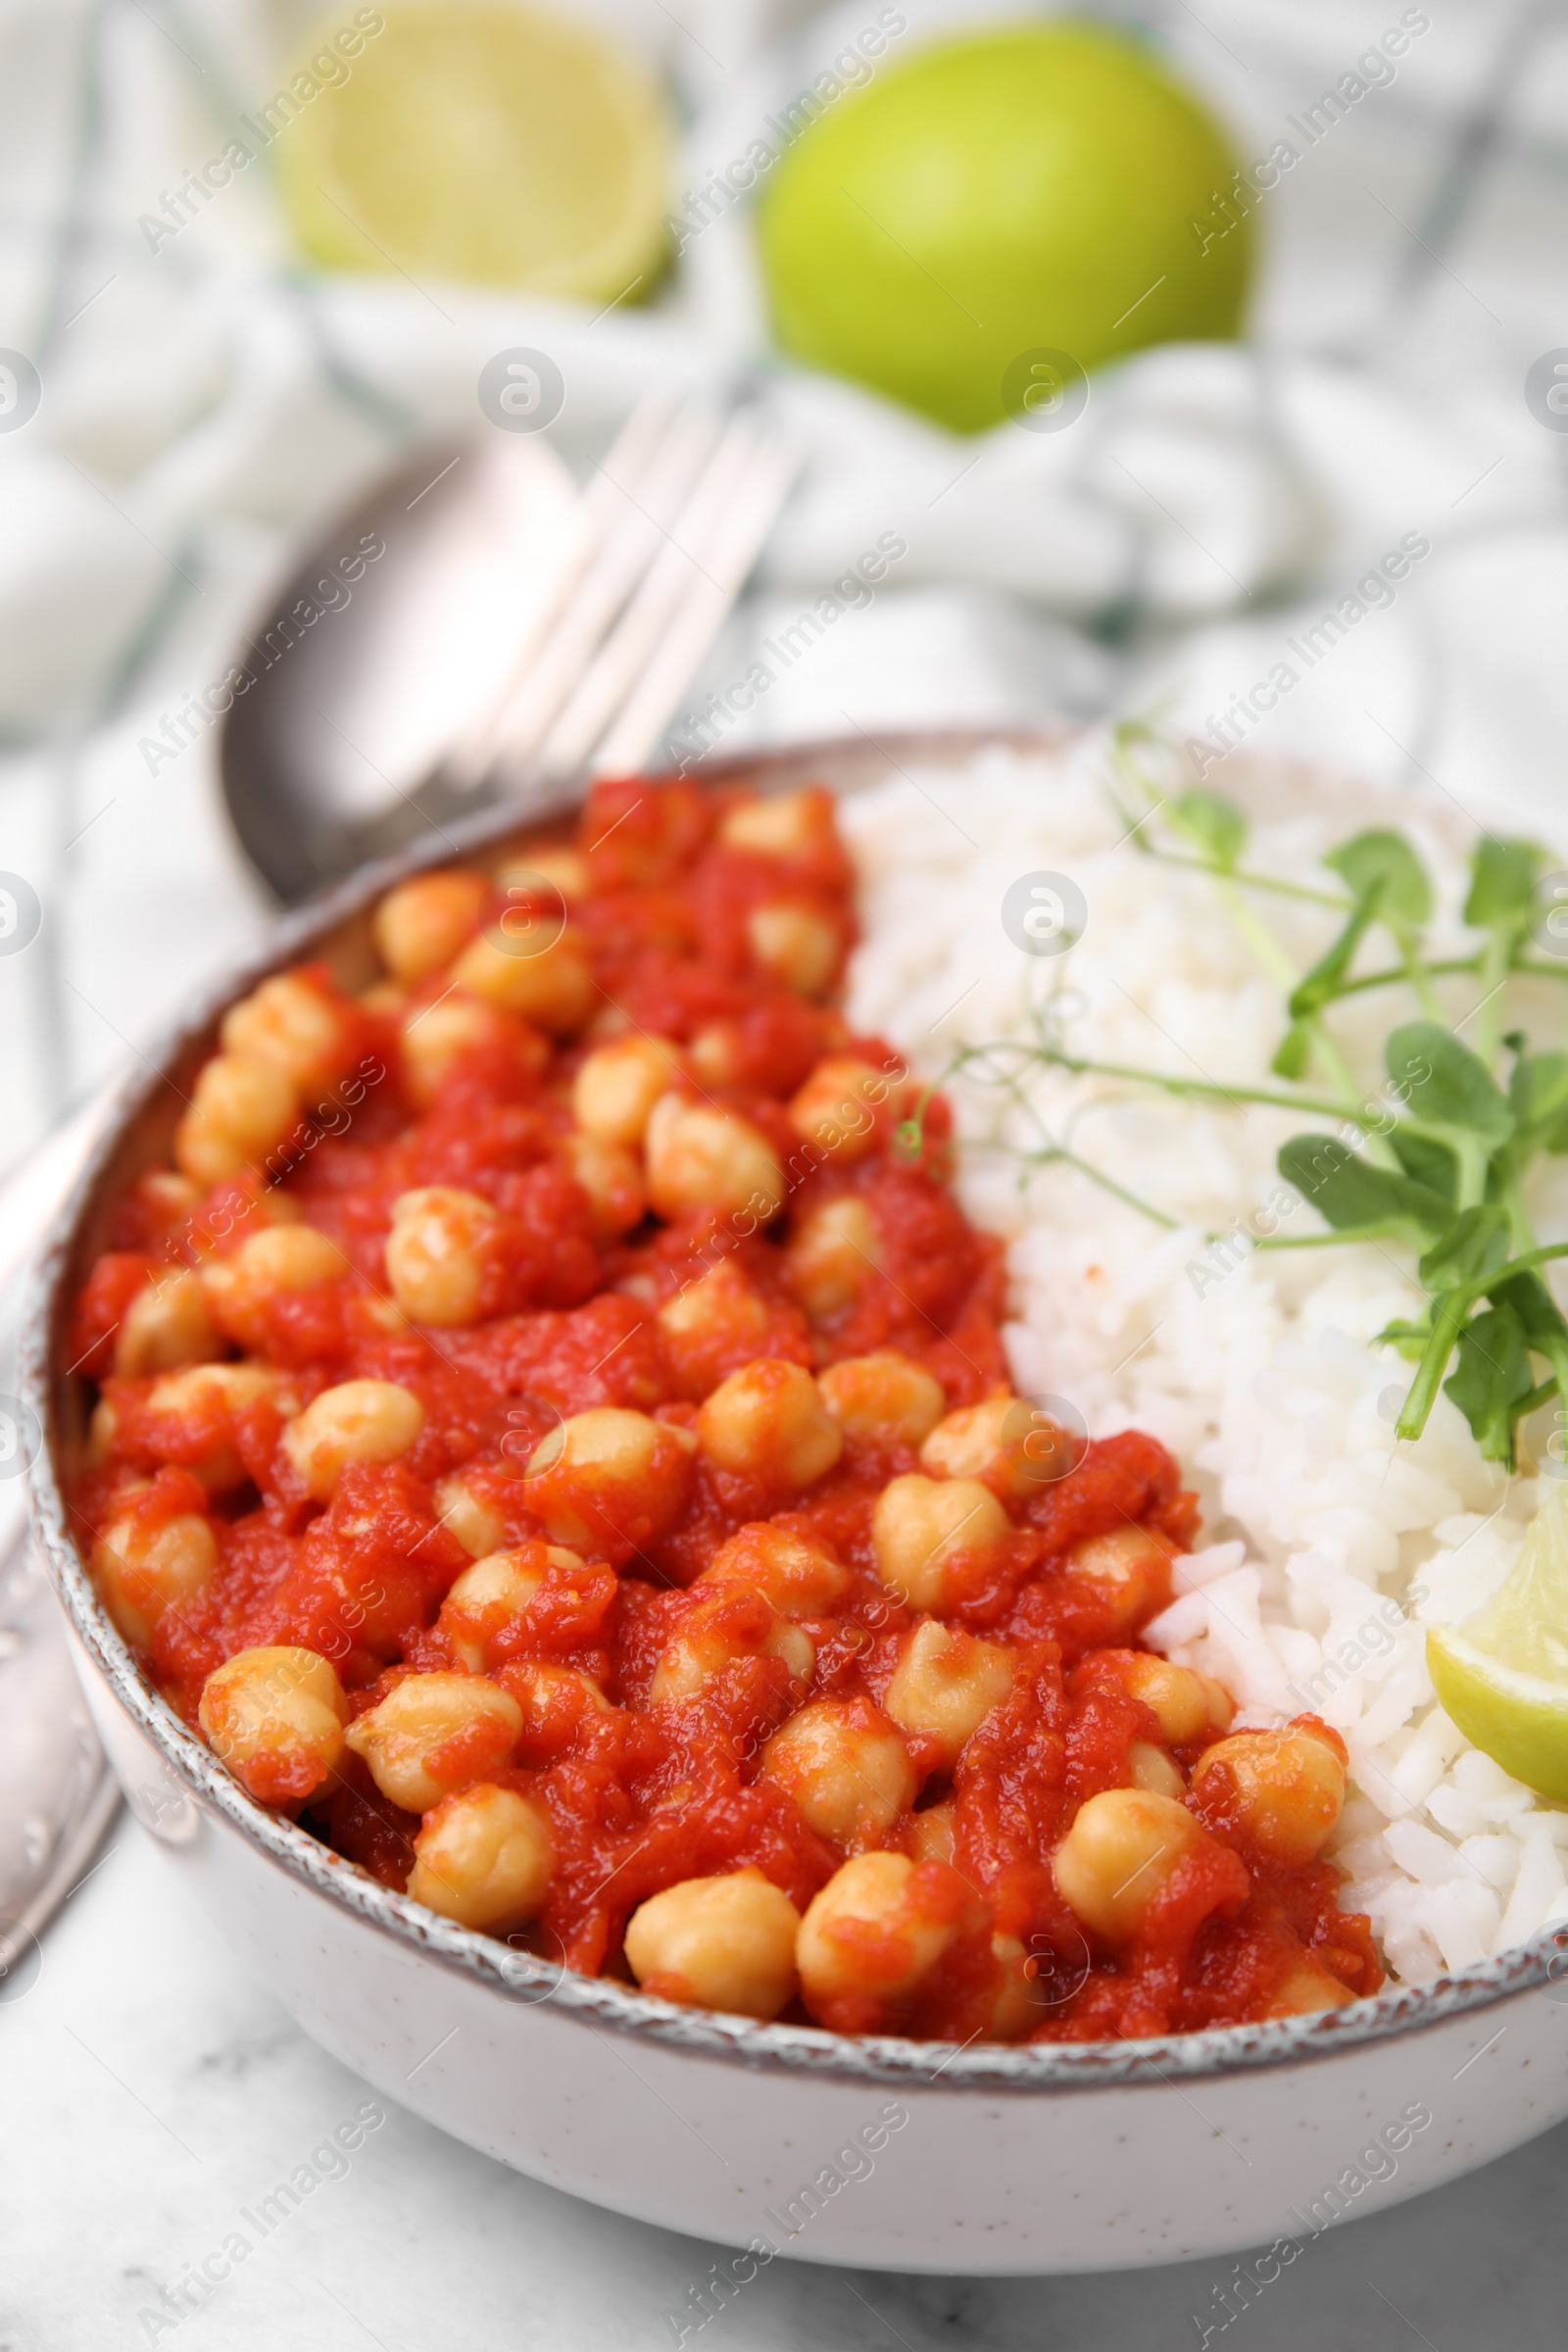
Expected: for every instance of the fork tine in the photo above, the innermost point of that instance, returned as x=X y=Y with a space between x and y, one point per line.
x=626 y=652
x=626 y=462
x=675 y=660
x=637 y=514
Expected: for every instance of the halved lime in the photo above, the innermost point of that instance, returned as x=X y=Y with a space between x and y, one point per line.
x=1502 y=1677
x=492 y=143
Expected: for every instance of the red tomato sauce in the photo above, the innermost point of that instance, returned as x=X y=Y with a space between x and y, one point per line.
x=643 y=1793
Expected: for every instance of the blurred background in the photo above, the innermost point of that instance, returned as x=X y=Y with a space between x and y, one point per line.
x=1302 y=271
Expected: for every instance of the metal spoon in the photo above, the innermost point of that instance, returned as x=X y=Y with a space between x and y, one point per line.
x=476 y=629
x=406 y=618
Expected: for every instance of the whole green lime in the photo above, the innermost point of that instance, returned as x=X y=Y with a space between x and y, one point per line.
x=1035 y=188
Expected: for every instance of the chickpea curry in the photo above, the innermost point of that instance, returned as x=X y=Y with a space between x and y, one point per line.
x=554 y=1438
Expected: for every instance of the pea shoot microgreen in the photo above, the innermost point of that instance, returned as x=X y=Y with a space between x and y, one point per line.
x=1438 y=1163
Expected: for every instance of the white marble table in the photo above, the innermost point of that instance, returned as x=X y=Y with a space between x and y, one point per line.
x=153 y=2092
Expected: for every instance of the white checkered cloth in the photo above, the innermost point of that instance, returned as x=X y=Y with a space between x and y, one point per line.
x=207 y=406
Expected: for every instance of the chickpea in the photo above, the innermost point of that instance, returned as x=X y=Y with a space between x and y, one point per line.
x=701 y=1157
x=1187 y=1706
x=275 y=1717
x=718 y=1944
x=768 y=1422
x=477 y=1527
x=920 y=1523
x=1307 y=1988
x=358 y=1421
x=436 y=1037
x=209 y=1387
x=1131 y=1566
x=831 y=1251
x=143 y=1572
x=1221 y=1706
x=716 y=1317
x=933 y=1833
x=718 y=1054
x=283 y=1257
x=1019 y=1996
x=555 y=863
x=787 y=824
x=613 y=1182
x=278 y=1261
x=1010 y=1443
x=728 y=1625
x=483 y=1858
x=384 y=998
x=166 y=1200
x=799 y=945
x=210 y=1395
x=436 y=1255
x=609 y=1480
x=383 y=1315
x=167 y=1325
x=968 y=1441
x=422 y=925
x=833 y=1110
x=103 y=1431
x=493 y=1595
x=945 y=1684
x=1281 y=1791
x=1151 y=1768
x=882 y=1400
x=554 y=1699
x=1119 y=1855
x=293 y=1024
x=263 y=1205
x=241 y=1109
x=846 y=1767
x=794 y=1575
x=872 y=1935
x=555 y=985
x=618 y=1084
x=435 y=1733
x=610 y=1020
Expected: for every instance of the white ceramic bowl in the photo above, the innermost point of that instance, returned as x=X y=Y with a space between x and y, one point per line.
x=877 y=2152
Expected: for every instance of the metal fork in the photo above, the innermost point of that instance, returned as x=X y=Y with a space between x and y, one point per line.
x=677 y=513
x=506 y=632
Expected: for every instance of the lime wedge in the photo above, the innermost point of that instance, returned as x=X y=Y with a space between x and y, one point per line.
x=489 y=143
x=1503 y=1675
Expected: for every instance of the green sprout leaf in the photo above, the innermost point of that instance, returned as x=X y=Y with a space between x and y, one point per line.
x=1350 y=1194
x=1214 y=825
x=1538 y=1094
x=1503 y=885
x=1389 y=885
x=1536 y=1311
x=1410 y=1338
x=1475 y=1245
x=1442 y=1165
x=1429 y=1163
x=1445 y=1087
x=1491 y=1380
x=1384 y=870
x=1321 y=985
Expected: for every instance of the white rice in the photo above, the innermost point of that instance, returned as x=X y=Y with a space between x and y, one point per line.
x=1328 y=1548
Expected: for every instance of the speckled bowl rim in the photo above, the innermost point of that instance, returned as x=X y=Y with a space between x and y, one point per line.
x=596 y=2002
